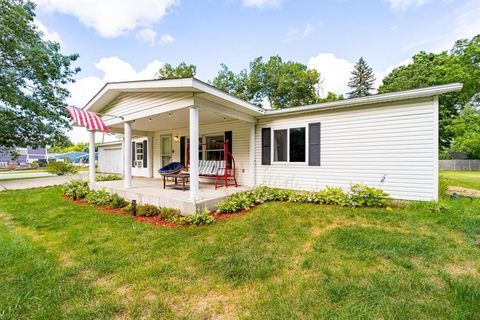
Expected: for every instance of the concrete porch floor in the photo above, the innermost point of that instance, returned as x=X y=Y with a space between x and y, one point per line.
x=150 y=191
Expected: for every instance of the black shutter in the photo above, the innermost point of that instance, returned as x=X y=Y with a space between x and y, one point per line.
x=266 y=146
x=182 y=150
x=145 y=154
x=228 y=138
x=314 y=144
x=133 y=154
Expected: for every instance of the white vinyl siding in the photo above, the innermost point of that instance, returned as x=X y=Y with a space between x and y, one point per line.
x=240 y=137
x=362 y=145
x=130 y=103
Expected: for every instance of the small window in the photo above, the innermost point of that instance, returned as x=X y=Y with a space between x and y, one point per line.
x=139 y=151
x=280 y=145
x=215 y=148
x=297 y=145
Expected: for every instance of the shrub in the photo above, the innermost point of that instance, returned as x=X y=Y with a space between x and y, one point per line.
x=169 y=214
x=108 y=177
x=331 y=195
x=236 y=202
x=200 y=218
x=60 y=168
x=117 y=202
x=365 y=196
x=80 y=188
x=34 y=164
x=437 y=207
x=98 y=198
x=443 y=184
x=147 y=210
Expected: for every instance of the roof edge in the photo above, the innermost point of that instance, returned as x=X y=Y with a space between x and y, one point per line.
x=373 y=99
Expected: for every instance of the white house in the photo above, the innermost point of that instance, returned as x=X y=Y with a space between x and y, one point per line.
x=386 y=140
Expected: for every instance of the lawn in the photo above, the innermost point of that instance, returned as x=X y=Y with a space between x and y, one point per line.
x=466 y=179
x=279 y=261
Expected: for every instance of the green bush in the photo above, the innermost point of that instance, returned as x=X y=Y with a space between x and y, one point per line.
x=357 y=196
x=200 y=218
x=80 y=188
x=365 y=196
x=169 y=214
x=147 y=210
x=60 y=168
x=99 y=198
x=34 y=164
x=108 y=177
x=117 y=202
x=443 y=184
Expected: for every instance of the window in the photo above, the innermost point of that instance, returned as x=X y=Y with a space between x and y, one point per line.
x=139 y=151
x=289 y=145
x=297 y=145
x=214 y=147
x=280 y=145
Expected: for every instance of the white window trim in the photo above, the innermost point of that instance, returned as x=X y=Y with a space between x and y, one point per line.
x=272 y=146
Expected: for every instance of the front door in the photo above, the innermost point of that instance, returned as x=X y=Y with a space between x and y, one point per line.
x=166 y=149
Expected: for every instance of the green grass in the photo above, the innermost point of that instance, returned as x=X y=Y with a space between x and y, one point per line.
x=466 y=179
x=280 y=261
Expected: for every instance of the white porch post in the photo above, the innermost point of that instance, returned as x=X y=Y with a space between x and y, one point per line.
x=127 y=165
x=91 y=156
x=251 y=157
x=193 y=167
x=150 y=155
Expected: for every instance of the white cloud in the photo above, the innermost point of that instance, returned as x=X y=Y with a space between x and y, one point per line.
x=147 y=35
x=113 y=69
x=260 y=4
x=335 y=72
x=48 y=34
x=403 y=5
x=299 y=33
x=166 y=39
x=112 y=18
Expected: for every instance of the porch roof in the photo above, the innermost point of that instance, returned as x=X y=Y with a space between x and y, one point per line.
x=112 y=90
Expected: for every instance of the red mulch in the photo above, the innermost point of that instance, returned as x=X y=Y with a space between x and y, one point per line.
x=156 y=221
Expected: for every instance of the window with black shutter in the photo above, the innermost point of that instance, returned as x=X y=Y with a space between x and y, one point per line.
x=314 y=144
x=266 y=146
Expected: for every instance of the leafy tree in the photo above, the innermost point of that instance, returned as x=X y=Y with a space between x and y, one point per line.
x=33 y=75
x=283 y=84
x=461 y=64
x=331 y=97
x=466 y=131
x=167 y=71
x=78 y=147
x=362 y=80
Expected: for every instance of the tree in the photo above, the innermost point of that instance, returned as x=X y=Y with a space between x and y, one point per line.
x=167 y=71
x=331 y=97
x=33 y=75
x=461 y=64
x=362 y=80
x=283 y=84
x=466 y=132
x=78 y=147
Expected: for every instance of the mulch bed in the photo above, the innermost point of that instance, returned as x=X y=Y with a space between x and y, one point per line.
x=156 y=221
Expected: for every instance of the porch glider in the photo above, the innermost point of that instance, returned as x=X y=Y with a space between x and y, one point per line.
x=223 y=171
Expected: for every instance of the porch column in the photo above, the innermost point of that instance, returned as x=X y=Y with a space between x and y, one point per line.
x=150 y=155
x=251 y=157
x=127 y=165
x=193 y=167
x=91 y=156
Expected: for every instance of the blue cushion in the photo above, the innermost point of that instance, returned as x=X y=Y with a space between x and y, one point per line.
x=172 y=167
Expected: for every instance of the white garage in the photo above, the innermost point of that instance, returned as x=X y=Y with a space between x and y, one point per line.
x=110 y=159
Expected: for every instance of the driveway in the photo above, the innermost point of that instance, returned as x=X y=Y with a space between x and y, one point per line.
x=38 y=182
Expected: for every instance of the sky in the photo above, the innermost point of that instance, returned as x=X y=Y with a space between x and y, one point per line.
x=131 y=39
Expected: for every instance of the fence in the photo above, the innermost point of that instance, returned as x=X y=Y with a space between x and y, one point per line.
x=460 y=165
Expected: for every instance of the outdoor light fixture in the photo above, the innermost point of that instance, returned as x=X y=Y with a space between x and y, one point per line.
x=169 y=115
x=175 y=138
x=150 y=119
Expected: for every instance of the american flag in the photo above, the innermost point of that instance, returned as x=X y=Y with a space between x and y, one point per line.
x=87 y=119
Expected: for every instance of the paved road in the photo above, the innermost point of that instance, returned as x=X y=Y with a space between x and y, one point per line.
x=40 y=182
x=16 y=175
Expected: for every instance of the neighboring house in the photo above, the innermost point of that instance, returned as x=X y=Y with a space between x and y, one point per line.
x=75 y=157
x=27 y=155
x=386 y=140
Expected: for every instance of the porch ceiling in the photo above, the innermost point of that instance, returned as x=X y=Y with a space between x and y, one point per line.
x=174 y=119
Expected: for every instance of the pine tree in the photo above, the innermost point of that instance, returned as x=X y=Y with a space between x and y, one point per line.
x=362 y=80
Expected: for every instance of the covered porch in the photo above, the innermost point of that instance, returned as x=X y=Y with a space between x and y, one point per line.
x=163 y=121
